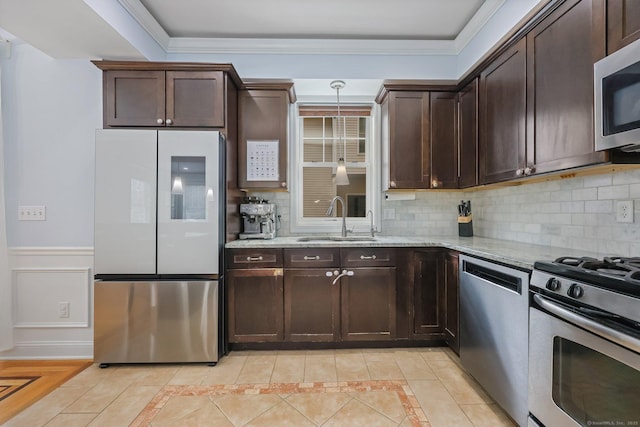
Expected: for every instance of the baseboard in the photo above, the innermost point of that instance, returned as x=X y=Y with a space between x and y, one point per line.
x=49 y=350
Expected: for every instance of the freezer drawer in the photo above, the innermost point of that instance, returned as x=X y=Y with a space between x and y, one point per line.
x=155 y=322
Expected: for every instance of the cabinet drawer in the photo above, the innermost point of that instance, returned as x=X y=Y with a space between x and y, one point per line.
x=312 y=257
x=250 y=258
x=368 y=257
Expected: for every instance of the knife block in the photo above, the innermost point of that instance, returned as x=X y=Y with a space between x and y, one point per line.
x=465 y=226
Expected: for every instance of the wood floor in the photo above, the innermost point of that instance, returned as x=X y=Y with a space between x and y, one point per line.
x=26 y=381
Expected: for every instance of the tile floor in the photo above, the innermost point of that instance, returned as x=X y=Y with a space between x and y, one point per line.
x=364 y=387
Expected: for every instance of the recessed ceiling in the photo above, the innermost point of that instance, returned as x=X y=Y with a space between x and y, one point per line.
x=153 y=29
x=327 y=19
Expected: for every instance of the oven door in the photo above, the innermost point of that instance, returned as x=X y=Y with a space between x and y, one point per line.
x=576 y=377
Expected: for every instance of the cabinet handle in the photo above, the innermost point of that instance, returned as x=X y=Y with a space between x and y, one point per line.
x=344 y=273
x=367 y=257
x=254 y=258
x=312 y=258
x=159 y=121
x=169 y=122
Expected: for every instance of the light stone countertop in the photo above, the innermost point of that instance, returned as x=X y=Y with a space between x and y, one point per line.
x=516 y=254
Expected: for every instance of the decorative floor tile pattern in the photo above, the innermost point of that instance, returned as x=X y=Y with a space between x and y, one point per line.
x=9 y=385
x=399 y=387
x=351 y=403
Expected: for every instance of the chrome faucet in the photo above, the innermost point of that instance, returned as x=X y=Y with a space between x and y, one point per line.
x=372 y=230
x=344 y=213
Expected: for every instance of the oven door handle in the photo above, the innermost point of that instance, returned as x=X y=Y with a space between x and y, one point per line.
x=597 y=328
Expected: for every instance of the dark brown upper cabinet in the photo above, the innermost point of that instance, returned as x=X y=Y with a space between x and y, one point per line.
x=503 y=95
x=405 y=121
x=468 y=135
x=159 y=94
x=561 y=51
x=623 y=23
x=263 y=111
x=444 y=139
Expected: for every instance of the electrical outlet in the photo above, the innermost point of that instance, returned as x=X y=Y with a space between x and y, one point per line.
x=32 y=213
x=624 y=211
x=63 y=309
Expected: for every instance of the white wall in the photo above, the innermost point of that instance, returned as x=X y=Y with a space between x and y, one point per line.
x=51 y=110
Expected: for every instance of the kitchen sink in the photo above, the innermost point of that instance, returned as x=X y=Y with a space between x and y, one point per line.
x=337 y=238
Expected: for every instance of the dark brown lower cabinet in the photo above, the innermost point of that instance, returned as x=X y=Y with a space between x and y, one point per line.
x=451 y=291
x=255 y=305
x=428 y=294
x=311 y=305
x=369 y=304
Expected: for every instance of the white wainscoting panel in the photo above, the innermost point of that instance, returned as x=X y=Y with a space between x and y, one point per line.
x=39 y=292
x=42 y=278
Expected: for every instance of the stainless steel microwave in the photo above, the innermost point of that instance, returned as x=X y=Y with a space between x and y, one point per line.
x=617 y=100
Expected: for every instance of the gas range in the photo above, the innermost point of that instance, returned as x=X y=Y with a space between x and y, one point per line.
x=610 y=284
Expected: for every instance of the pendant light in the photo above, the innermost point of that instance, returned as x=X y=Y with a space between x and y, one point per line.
x=341 y=171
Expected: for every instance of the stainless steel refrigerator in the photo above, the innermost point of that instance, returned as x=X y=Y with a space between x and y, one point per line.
x=159 y=230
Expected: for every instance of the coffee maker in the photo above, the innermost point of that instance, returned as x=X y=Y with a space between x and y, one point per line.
x=258 y=219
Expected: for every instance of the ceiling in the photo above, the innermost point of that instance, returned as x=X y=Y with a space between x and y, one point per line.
x=327 y=19
x=160 y=30
x=124 y=29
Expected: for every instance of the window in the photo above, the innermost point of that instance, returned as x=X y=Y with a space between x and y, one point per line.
x=324 y=139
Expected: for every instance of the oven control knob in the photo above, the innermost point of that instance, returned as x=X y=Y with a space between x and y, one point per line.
x=553 y=284
x=575 y=291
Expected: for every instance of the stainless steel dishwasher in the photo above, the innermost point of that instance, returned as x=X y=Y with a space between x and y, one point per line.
x=494 y=331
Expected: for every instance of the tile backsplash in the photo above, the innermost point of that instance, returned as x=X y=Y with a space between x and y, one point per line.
x=577 y=213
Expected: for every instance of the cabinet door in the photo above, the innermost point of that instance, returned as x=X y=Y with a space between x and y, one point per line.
x=368 y=311
x=195 y=98
x=255 y=305
x=408 y=140
x=502 y=116
x=134 y=98
x=444 y=139
x=263 y=117
x=468 y=135
x=561 y=51
x=428 y=294
x=311 y=305
x=623 y=23
x=451 y=320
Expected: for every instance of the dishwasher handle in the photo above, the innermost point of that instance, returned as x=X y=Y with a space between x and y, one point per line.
x=495 y=277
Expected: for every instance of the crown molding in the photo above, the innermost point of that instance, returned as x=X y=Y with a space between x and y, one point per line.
x=476 y=23
x=193 y=45
x=146 y=21
x=280 y=46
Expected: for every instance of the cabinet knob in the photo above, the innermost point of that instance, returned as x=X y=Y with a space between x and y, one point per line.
x=529 y=170
x=169 y=122
x=159 y=121
x=283 y=184
x=519 y=172
x=392 y=184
